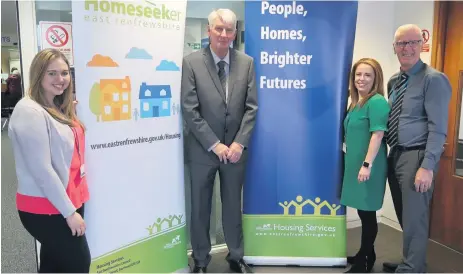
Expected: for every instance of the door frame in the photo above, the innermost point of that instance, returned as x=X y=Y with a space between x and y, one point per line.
x=457 y=122
x=452 y=145
x=446 y=179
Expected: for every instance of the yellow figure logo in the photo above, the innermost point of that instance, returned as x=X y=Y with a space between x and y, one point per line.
x=333 y=208
x=177 y=218
x=300 y=203
x=286 y=206
x=171 y=219
x=157 y=226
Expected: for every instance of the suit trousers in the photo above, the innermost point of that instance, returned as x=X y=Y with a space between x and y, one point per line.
x=202 y=185
x=411 y=207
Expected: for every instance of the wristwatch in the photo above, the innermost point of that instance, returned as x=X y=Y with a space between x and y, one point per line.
x=366 y=164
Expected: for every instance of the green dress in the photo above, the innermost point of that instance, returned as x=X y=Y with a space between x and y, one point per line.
x=358 y=127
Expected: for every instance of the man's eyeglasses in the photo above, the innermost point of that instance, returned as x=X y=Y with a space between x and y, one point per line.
x=403 y=44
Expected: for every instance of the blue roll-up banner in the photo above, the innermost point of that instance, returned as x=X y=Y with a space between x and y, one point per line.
x=303 y=54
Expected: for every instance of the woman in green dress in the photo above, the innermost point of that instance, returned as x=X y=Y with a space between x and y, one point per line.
x=365 y=159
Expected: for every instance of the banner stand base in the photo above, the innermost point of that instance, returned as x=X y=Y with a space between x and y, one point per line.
x=295 y=261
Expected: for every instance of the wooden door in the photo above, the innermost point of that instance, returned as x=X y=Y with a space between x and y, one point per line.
x=447 y=205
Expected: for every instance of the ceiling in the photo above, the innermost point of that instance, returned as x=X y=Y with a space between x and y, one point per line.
x=44 y=11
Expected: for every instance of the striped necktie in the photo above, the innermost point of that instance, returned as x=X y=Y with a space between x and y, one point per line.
x=393 y=122
x=223 y=76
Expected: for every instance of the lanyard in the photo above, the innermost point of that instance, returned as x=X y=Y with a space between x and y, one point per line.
x=76 y=137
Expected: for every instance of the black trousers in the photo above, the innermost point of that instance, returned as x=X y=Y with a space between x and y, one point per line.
x=369 y=231
x=60 y=252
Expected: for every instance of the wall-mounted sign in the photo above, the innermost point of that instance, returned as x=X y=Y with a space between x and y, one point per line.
x=9 y=40
x=194 y=46
x=425 y=34
x=57 y=35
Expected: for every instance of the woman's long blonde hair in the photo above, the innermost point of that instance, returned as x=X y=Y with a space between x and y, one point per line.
x=63 y=102
x=378 y=83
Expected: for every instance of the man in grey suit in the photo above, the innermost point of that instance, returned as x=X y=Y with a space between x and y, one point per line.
x=219 y=103
x=417 y=128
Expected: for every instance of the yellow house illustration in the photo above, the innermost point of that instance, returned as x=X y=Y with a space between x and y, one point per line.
x=116 y=99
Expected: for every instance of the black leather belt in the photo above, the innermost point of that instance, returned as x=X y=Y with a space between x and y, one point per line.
x=402 y=148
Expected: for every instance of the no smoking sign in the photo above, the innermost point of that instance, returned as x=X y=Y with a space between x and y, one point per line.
x=57 y=35
x=425 y=34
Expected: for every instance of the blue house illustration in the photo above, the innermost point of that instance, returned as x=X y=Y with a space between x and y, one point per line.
x=154 y=100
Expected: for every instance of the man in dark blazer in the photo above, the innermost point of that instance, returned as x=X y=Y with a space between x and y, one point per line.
x=219 y=103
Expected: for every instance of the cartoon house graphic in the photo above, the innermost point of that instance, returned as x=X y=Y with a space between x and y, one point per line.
x=116 y=99
x=154 y=100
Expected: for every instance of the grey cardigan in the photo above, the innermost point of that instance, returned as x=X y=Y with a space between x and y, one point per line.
x=43 y=150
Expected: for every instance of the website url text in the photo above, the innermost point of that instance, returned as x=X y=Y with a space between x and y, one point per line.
x=139 y=140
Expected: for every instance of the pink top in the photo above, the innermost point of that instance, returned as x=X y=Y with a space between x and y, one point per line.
x=77 y=188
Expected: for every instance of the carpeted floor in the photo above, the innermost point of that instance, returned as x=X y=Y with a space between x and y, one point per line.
x=18 y=247
x=388 y=249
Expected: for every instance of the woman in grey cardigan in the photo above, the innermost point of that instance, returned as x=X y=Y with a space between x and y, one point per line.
x=48 y=145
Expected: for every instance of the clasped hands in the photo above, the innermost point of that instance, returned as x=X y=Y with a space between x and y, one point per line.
x=232 y=153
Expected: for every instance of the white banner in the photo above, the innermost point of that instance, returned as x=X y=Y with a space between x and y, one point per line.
x=128 y=58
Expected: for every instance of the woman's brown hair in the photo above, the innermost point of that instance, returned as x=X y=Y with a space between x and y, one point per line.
x=378 y=83
x=64 y=102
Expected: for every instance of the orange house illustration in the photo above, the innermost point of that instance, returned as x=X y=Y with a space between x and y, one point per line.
x=117 y=99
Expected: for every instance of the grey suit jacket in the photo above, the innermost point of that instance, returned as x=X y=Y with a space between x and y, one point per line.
x=208 y=117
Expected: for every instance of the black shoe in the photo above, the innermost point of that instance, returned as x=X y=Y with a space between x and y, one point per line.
x=390 y=267
x=371 y=259
x=351 y=259
x=239 y=266
x=359 y=266
x=199 y=269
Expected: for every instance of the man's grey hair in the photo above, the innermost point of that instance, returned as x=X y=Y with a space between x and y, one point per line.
x=226 y=15
x=406 y=28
